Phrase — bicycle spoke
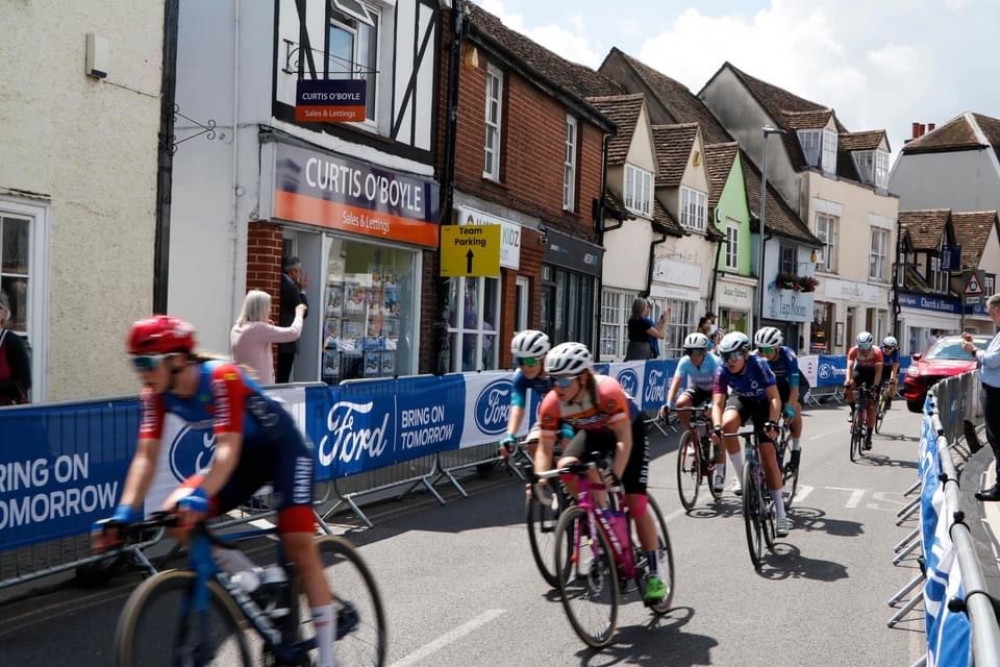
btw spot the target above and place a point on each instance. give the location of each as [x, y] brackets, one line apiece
[588, 581]
[688, 470]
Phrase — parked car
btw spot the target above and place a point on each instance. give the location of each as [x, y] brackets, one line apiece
[944, 359]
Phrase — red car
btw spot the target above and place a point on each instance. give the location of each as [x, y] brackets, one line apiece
[945, 358]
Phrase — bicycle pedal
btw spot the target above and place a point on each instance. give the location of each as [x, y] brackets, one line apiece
[347, 620]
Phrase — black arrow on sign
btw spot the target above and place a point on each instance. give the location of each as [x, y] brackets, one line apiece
[468, 264]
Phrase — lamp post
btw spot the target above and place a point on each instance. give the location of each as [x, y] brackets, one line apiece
[765, 131]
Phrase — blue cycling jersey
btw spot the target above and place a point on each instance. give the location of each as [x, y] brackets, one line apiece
[751, 384]
[785, 367]
[701, 377]
[541, 385]
[888, 359]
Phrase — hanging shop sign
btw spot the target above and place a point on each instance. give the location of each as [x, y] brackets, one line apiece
[341, 193]
[574, 254]
[330, 100]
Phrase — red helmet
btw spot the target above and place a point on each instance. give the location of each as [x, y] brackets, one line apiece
[161, 334]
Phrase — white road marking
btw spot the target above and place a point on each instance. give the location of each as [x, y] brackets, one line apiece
[801, 493]
[854, 500]
[845, 429]
[673, 515]
[449, 637]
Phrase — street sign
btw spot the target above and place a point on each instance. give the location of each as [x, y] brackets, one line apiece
[973, 283]
[951, 258]
[470, 250]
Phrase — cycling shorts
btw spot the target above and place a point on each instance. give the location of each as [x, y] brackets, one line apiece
[698, 396]
[594, 445]
[863, 375]
[758, 411]
[785, 391]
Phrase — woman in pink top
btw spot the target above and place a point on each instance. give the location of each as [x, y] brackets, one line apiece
[254, 334]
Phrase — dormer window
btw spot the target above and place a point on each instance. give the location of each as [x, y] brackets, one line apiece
[819, 147]
[829, 151]
[811, 141]
[873, 167]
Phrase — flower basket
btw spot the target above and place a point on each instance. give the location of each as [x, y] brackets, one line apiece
[788, 281]
[807, 284]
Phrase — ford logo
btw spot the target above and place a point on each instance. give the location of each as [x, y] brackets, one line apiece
[191, 452]
[629, 381]
[493, 407]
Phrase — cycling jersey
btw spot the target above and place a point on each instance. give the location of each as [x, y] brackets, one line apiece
[699, 377]
[541, 385]
[785, 367]
[890, 359]
[751, 384]
[613, 406]
[865, 361]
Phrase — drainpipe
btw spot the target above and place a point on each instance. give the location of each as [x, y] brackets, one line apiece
[715, 276]
[236, 160]
[895, 283]
[165, 159]
[652, 256]
[601, 229]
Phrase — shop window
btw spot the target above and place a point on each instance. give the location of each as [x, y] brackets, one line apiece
[821, 333]
[474, 324]
[681, 320]
[370, 313]
[615, 311]
[567, 305]
[352, 49]
[731, 320]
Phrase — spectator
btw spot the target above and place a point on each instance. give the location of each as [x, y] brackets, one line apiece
[640, 330]
[254, 334]
[989, 377]
[294, 283]
[710, 319]
[15, 369]
[932, 339]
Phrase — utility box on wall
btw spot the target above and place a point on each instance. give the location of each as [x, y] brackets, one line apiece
[97, 56]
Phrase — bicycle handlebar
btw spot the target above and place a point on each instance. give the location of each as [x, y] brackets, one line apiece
[160, 520]
[696, 408]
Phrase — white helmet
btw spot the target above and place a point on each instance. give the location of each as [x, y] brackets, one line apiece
[530, 344]
[568, 359]
[696, 341]
[733, 342]
[865, 340]
[768, 337]
[890, 341]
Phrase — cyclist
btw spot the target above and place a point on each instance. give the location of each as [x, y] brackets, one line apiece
[890, 367]
[864, 366]
[529, 348]
[257, 442]
[606, 422]
[784, 364]
[754, 396]
[697, 371]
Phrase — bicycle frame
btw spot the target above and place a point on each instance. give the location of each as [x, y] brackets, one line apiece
[622, 553]
[701, 429]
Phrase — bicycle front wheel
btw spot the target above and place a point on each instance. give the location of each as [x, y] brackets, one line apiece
[880, 412]
[688, 470]
[157, 627]
[751, 516]
[542, 519]
[666, 558]
[361, 628]
[588, 581]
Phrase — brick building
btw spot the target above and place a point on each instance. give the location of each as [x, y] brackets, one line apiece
[528, 156]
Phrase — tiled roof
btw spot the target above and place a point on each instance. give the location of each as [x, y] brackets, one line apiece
[863, 141]
[924, 227]
[781, 219]
[956, 134]
[682, 105]
[615, 207]
[719, 160]
[624, 111]
[673, 145]
[805, 120]
[991, 128]
[662, 216]
[972, 231]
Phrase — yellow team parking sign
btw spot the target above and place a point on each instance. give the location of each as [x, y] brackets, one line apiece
[470, 250]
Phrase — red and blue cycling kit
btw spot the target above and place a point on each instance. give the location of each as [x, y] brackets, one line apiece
[272, 451]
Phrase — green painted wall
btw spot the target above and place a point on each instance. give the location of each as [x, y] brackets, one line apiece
[733, 207]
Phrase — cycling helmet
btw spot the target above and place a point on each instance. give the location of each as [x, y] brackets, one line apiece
[890, 341]
[530, 344]
[568, 359]
[865, 340]
[768, 337]
[696, 341]
[161, 334]
[733, 342]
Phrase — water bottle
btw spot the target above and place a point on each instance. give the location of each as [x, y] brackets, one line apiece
[273, 582]
[248, 580]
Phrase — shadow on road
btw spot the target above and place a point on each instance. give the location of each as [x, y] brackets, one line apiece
[873, 459]
[810, 519]
[651, 643]
[727, 506]
[787, 562]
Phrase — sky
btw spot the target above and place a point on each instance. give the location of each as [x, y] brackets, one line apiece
[880, 64]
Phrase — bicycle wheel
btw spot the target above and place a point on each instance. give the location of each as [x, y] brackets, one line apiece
[880, 412]
[154, 629]
[766, 505]
[590, 594]
[688, 470]
[751, 515]
[855, 435]
[790, 481]
[666, 557]
[361, 626]
[542, 519]
[716, 494]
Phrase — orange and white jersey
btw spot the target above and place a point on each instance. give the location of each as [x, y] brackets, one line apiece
[613, 406]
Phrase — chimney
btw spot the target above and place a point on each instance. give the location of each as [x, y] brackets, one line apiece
[931, 126]
[914, 130]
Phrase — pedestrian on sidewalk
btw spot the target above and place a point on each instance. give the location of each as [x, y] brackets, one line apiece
[254, 334]
[641, 331]
[15, 369]
[989, 376]
[294, 283]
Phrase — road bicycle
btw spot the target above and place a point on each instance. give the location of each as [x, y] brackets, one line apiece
[789, 478]
[758, 506]
[859, 421]
[199, 615]
[598, 556]
[696, 457]
[881, 405]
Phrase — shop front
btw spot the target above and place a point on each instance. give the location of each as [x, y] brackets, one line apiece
[360, 229]
[789, 311]
[923, 318]
[734, 300]
[571, 270]
[845, 308]
[676, 291]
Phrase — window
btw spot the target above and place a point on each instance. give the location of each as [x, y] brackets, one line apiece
[639, 191]
[938, 278]
[829, 151]
[821, 334]
[732, 247]
[877, 257]
[826, 231]
[569, 165]
[901, 273]
[568, 305]
[352, 49]
[680, 322]
[789, 259]
[810, 140]
[864, 161]
[881, 169]
[494, 108]
[523, 287]
[474, 323]
[15, 233]
[615, 311]
[694, 209]
[989, 285]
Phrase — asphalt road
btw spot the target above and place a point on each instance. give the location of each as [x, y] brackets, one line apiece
[461, 589]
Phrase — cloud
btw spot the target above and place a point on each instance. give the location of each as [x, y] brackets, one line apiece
[894, 59]
[569, 41]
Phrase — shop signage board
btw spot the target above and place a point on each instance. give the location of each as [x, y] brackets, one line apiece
[510, 234]
[788, 305]
[470, 250]
[734, 295]
[923, 302]
[851, 291]
[330, 100]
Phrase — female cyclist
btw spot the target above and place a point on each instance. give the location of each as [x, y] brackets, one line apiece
[529, 348]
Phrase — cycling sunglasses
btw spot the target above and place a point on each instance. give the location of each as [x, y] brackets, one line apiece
[733, 356]
[766, 350]
[528, 362]
[563, 382]
[147, 363]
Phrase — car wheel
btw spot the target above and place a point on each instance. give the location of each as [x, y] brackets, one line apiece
[915, 405]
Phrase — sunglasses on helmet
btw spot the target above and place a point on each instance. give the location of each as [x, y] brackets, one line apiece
[146, 363]
[564, 381]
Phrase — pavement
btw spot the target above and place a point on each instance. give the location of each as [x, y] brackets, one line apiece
[983, 518]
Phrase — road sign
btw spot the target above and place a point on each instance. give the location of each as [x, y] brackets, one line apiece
[951, 258]
[470, 250]
[973, 283]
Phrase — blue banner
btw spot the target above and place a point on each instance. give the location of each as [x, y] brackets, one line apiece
[658, 374]
[831, 371]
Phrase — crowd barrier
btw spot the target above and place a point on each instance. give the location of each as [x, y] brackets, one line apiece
[62, 466]
[959, 616]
